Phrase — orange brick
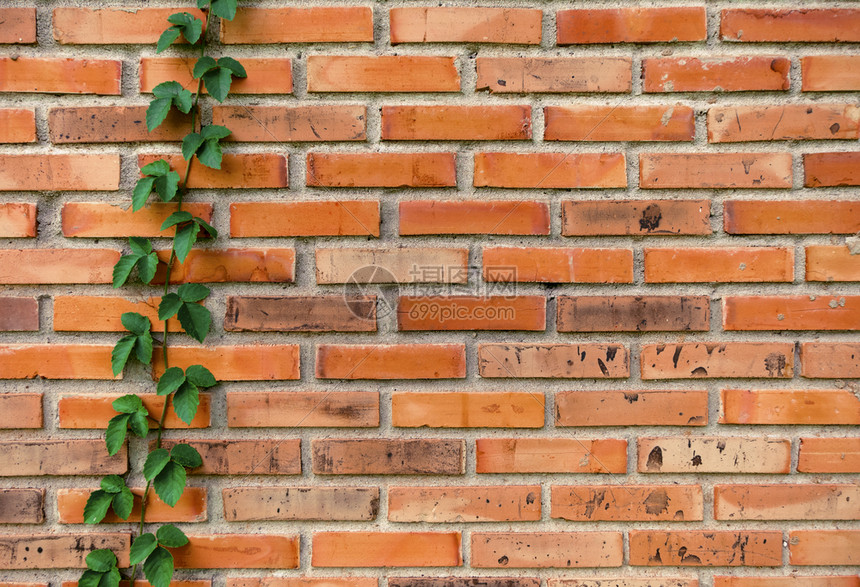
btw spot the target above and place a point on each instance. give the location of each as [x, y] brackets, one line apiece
[631, 25]
[831, 169]
[55, 361]
[636, 217]
[245, 457]
[632, 313]
[812, 25]
[301, 314]
[714, 454]
[830, 73]
[550, 455]
[463, 581]
[113, 26]
[413, 265]
[20, 410]
[786, 502]
[17, 220]
[719, 265]
[631, 408]
[791, 313]
[78, 172]
[297, 409]
[495, 503]
[191, 507]
[335, 218]
[733, 124]
[470, 409]
[474, 217]
[619, 123]
[59, 551]
[714, 170]
[17, 125]
[462, 24]
[286, 124]
[100, 219]
[547, 549]
[557, 265]
[625, 581]
[19, 314]
[550, 170]
[238, 171]
[792, 581]
[393, 361]
[554, 75]
[830, 360]
[19, 25]
[386, 549]
[579, 361]
[716, 360]
[387, 73]
[251, 504]
[697, 548]
[238, 551]
[456, 123]
[715, 74]
[265, 76]
[381, 170]
[317, 24]
[791, 217]
[22, 506]
[19, 458]
[237, 363]
[267, 265]
[471, 313]
[832, 263]
[113, 124]
[388, 456]
[824, 547]
[94, 412]
[306, 582]
[627, 503]
[779, 406]
[60, 75]
[829, 455]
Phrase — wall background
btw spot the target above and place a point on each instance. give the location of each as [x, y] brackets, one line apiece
[667, 394]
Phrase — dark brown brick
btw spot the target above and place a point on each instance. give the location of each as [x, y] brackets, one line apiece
[22, 506]
[383, 456]
[633, 313]
[19, 314]
[301, 314]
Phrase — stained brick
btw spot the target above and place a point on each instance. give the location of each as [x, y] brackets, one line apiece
[632, 313]
[786, 502]
[714, 360]
[381, 456]
[297, 409]
[697, 548]
[554, 75]
[580, 361]
[301, 314]
[19, 458]
[631, 408]
[734, 124]
[113, 124]
[551, 455]
[492, 503]
[714, 454]
[22, 506]
[632, 25]
[627, 503]
[635, 217]
[715, 74]
[246, 457]
[59, 551]
[714, 170]
[470, 409]
[250, 504]
[19, 314]
[547, 549]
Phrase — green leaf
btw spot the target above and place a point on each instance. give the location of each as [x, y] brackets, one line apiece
[111, 578]
[203, 65]
[142, 547]
[186, 455]
[206, 227]
[157, 111]
[90, 579]
[143, 348]
[141, 192]
[171, 536]
[122, 269]
[121, 352]
[192, 27]
[147, 266]
[167, 37]
[139, 246]
[155, 462]
[116, 431]
[160, 166]
[193, 292]
[167, 186]
[123, 502]
[185, 402]
[196, 320]
[176, 218]
[112, 484]
[234, 66]
[217, 82]
[170, 483]
[190, 144]
[214, 131]
[185, 238]
[136, 323]
[200, 376]
[127, 404]
[183, 101]
[101, 560]
[210, 154]
[225, 9]
[139, 423]
[169, 306]
[97, 507]
[170, 381]
[158, 568]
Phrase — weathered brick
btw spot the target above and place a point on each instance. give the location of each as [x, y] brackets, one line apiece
[456, 123]
[495, 503]
[547, 549]
[282, 124]
[238, 171]
[829, 455]
[104, 314]
[551, 455]
[830, 360]
[694, 360]
[55, 361]
[719, 265]
[780, 406]
[113, 124]
[387, 456]
[94, 412]
[734, 124]
[790, 581]
[791, 313]
[463, 582]
[20, 458]
[305, 582]
[632, 313]
[627, 503]
[578, 361]
[636, 217]
[714, 454]
[715, 74]
[296, 409]
[104, 219]
[557, 265]
[238, 551]
[191, 507]
[393, 361]
[554, 75]
[787, 502]
[832, 263]
[824, 547]
[469, 409]
[471, 313]
[22, 506]
[60, 75]
[632, 25]
[465, 24]
[111, 26]
[251, 504]
[550, 170]
[392, 265]
[831, 169]
[386, 549]
[59, 551]
[631, 408]
[619, 123]
[56, 172]
[17, 125]
[625, 581]
[245, 457]
[266, 265]
[335, 218]
[19, 25]
[696, 548]
[17, 220]
[714, 170]
[418, 217]
[20, 410]
[808, 25]
[387, 73]
[381, 170]
[19, 314]
[265, 76]
[301, 314]
[236, 363]
[314, 24]
[830, 73]
[791, 217]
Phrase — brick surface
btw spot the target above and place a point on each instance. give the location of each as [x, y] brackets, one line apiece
[806, 26]
[20, 410]
[237, 363]
[830, 360]
[631, 25]
[353, 73]
[59, 457]
[191, 507]
[244, 504]
[791, 313]
[554, 455]
[452, 123]
[99, 219]
[467, 409]
[265, 75]
[315, 123]
[777, 406]
[631, 408]
[387, 549]
[715, 74]
[791, 217]
[246, 457]
[831, 263]
[830, 73]
[557, 265]
[735, 124]
[17, 220]
[700, 360]
[786, 502]
[107, 26]
[450, 24]
[59, 551]
[19, 314]
[60, 76]
[547, 549]
[549, 170]
[17, 125]
[554, 75]
[829, 455]
[419, 217]
[464, 504]
[113, 124]
[19, 25]
[391, 170]
[22, 506]
[705, 549]
[238, 551]
[318, 24]
[471, 313]
[388, 457]
[86, 172]
[714, 170]
[335, 218]
[831, 169]
[582, 361]
[722, 454]
[719, 265]
[619, 123]
[632, 313]
[94, 412]
[823, 547]
[311, 409]
[635, 217]
[627, 503]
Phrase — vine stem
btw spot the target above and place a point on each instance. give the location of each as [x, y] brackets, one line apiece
[184, 187]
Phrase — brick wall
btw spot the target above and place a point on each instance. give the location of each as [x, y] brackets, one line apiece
[623, 349]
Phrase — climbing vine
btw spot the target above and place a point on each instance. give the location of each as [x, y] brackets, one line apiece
[164, 470]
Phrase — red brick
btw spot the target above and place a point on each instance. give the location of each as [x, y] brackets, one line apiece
[632, 313]
[824, 547]
[17, 125]
[305, 582]
[285, 124]
[238, 170]
[830, 360]
[245, 457]
[812, 25]
[412, 265]
[550, 170]
[471, 313]
[474, 217]
[238, 551]
[495, 503]
[551, 455]
[55, 361]
[19, 314]
[719, 265]
[619, 123]
[467, 409]
[388, 456]
[387, 73]
[578, 361]
[714, 170]
[317, 24]
[251, 504]
[832, 263]
[791, 217]
[113, 26]
[456, 123]
[733, 124]
[625, 581]
[301, 314]
[557, 265]
[265, 76]
[631, 408]
[60, 75]
[54, 172]
[237, 363]
[191, 507]
[386, 549]
[100, 219]
[461, 582]
[636, 217]
[831, 169]
[715, 74]
[547, 549]
[22, 506]
[791, 313]
[697, 548]
[335, 218]
[627, 503]
[780, 406]
[632, 25]
[786, 502]
[829, 455]
[59, 551]
[267, 265]
[381, 170]
[392, 361]
[462, 24]
[714, 454]
[695, 360]
[830, 73]
[94, 412]
[297, 409]
[19, 25]
[19, 458]
[791, 581]
[20, 410]
[113, 124]
[554, 75]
